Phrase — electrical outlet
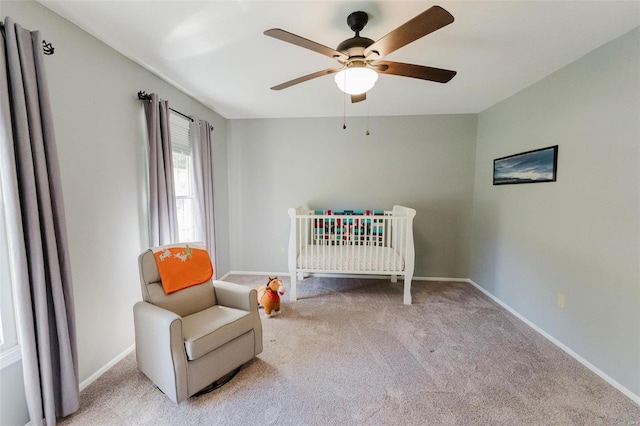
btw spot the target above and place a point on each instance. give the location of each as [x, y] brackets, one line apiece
[281, 250]
[560, 300]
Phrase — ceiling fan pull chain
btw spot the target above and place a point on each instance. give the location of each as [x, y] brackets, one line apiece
[344, 106]
[368, 115]
[344, 112]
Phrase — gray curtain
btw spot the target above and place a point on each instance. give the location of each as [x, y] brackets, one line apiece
[36, 230]
[200, 134]
[163, 218]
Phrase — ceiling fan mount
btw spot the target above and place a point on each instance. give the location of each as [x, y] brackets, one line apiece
[364, 53]
[357, 21]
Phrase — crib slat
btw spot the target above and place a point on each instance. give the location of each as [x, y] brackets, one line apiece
[386, 261]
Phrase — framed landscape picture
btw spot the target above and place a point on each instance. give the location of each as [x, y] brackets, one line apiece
[535, 166]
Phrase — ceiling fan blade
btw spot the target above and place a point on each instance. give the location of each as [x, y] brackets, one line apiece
[427, 22]
[358, 98]
[303, 42]
[415, 71]
[305, 78]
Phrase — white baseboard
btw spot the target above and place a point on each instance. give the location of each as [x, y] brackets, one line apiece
[318, 274]
[224, 277]
[10, 357]
[270, 274]
[441, 279]
[106, 367]
[635, 398]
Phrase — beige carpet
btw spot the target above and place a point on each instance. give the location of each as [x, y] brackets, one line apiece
[349, 352]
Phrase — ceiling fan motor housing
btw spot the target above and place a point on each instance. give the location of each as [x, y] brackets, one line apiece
[354, 46]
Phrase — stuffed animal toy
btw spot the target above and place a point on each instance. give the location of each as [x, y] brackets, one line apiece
[269, 296]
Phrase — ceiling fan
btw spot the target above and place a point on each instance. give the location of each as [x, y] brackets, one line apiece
[360, 57]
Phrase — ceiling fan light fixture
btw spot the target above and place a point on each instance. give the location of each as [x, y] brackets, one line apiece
[356, 80]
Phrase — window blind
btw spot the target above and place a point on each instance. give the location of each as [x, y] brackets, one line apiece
[180, 134]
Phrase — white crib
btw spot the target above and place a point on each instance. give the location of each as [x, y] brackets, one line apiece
[370, 242]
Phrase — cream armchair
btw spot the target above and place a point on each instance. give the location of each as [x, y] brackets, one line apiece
[189, 339]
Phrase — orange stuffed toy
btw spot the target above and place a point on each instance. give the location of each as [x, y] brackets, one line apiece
[269, 296]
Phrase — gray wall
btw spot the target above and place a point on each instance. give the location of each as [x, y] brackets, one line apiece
[579, 236]
[424, 162]
[102, 148]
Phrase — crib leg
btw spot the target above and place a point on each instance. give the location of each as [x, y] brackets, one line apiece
[394, 278]
[407, 289]
[292, 291]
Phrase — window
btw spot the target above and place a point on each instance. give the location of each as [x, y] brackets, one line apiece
[9, 349]
[188, 230]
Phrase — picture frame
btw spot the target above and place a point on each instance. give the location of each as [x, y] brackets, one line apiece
[536, 166]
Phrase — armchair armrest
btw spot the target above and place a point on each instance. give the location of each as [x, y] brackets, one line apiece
[236, 296]
[244, 298]
[160, 348]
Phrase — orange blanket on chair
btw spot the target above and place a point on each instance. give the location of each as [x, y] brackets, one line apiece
[182, 265]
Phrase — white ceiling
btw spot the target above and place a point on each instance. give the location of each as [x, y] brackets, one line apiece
[216, 51]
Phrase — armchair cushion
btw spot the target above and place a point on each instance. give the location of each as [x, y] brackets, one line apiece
[211, 328]
[184, 302]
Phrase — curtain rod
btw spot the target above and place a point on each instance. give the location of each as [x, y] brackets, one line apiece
[47, 48]
[144, 96]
